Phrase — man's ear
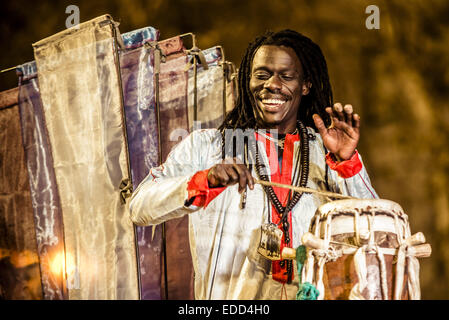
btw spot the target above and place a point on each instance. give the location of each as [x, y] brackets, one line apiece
[306, 87]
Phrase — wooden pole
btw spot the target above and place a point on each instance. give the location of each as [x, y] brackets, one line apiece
[303, 189]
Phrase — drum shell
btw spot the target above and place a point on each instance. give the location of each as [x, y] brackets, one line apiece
[339, 276]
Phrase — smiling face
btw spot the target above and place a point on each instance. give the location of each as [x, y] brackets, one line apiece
[277, 86]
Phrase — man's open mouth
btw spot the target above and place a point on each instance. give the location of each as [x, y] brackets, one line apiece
[272, 104]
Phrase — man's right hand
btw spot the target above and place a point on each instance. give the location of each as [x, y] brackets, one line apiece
[229, 172]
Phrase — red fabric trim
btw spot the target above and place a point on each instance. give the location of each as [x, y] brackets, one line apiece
[345, 169]
[198, 188]
[281, 175]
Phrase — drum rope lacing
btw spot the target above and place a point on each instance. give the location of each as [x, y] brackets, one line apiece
[330, 253]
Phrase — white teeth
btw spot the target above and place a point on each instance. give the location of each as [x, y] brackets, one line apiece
[273, 101]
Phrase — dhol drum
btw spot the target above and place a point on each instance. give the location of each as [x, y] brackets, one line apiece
[363, 249]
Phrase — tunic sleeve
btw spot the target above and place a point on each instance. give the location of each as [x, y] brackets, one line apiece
[163, 194]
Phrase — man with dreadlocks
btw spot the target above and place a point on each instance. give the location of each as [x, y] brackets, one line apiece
[297, 136]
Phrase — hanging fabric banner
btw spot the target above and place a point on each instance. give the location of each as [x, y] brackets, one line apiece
[174, 126]
[137, 74]
[19, 262]
[81, 97]
[139, 90]
[172, 94]
[42, 182]
[231, 76]
[210, 89]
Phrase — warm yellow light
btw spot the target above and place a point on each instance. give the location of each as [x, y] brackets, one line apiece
[57, 264]
[61, 263]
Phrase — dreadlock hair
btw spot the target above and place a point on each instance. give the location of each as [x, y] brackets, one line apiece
[315, 71]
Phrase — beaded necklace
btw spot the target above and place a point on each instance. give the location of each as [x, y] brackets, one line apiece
[292, 199]
[302, 165]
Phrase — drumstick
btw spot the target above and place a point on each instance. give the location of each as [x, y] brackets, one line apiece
[302, 189]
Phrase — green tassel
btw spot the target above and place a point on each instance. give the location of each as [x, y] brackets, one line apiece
[301, 254]
[306, 291]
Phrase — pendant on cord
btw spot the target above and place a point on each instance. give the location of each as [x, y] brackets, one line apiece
[270, 243]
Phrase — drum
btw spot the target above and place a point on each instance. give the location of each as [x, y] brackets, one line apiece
[363, 249]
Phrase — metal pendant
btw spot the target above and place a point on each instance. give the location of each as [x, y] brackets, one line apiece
[270, 241]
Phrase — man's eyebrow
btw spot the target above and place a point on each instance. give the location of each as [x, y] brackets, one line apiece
[265, 68]
[262, 68]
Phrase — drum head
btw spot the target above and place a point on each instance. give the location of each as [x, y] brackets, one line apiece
[361, 205]
[347, 221]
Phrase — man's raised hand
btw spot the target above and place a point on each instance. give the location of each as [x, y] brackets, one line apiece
[342, 136]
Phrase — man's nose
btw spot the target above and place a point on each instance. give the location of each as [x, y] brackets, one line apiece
[273, 83]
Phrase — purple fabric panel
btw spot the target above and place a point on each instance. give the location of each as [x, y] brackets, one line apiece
[141, 127]
[44, 191]
[140, 113]
[173, 100]
[141, 122]
[174, 116]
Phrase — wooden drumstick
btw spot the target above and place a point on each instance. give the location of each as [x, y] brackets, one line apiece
[302, 189]
[288, 253]
[420, 251]
[312, 241]
[417, 238]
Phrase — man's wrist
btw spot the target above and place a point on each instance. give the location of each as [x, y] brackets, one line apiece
[200, 193]
[338, 159]
[346, 168]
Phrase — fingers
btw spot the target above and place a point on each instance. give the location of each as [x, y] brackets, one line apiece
[244, 177]
[356, 121]
[319, 123]
[217, 176]
[348, 114]
[338, 111]
[343, 115]
[333, 115]
[230, 172]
